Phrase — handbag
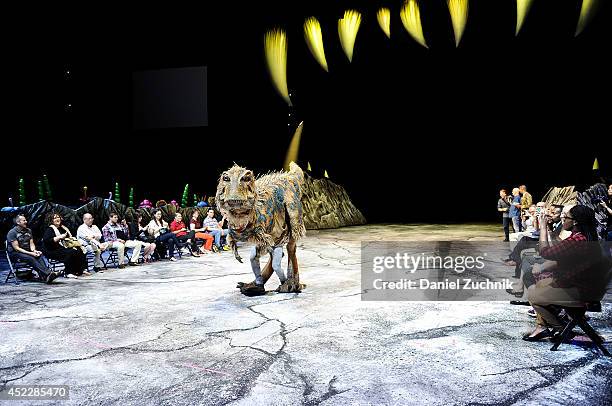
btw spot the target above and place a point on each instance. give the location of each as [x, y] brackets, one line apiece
[73, 242]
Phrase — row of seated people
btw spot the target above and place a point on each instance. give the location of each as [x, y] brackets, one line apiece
[156, 238]
[560, 261]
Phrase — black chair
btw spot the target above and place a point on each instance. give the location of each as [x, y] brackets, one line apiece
[114, 257]
[56, 266]
[13, 267]
[575, 316]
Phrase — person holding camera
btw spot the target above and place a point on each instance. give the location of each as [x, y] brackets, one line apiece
[139, 233]
[60, 245]
[158, 228]
[117, 236]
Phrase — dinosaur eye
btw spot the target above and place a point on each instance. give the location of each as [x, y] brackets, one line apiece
[246, 178]
[226, 178]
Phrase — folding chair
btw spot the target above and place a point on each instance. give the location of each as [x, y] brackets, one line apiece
[12, 267]
[55, 266]
[576, 317]
[112, 256]
[182, 245]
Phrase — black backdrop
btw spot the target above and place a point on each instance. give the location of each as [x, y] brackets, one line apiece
[413, 134]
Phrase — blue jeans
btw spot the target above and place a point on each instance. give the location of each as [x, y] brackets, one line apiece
[35, 262]
[168, 239]
[516, 224]
[217, 234]
[506, 223]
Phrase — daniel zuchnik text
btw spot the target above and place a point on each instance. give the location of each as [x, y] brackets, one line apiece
[456, 284]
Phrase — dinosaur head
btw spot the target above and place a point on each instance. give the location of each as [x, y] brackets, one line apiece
[236, 195]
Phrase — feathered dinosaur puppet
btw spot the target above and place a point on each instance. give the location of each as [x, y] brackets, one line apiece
[268, 212]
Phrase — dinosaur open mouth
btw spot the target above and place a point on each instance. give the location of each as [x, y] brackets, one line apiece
[239, 211]
[236, 203]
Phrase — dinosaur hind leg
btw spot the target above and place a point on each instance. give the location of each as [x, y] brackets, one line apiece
[292, 284]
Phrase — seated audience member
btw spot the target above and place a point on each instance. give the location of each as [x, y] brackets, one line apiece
[183, 234]
[20, 247]
[515, 210]
[90, 237]
[503, 206]
[570, 276]
[59, 245]
[196, 226]
[528, 239]
[139, 233]
[158, 228]
[214, 227]
[117, 236]
[554, 223]
[606, 206]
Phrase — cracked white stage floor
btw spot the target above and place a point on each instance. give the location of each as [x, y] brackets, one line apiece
[180, 333]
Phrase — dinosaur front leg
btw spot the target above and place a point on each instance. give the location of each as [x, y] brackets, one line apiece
[292, 284]
[232, 243]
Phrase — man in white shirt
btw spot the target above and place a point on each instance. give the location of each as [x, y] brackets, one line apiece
[214, 227]
[90, 235]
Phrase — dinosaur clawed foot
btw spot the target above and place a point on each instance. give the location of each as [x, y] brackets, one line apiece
[251, 289]
[291, 285]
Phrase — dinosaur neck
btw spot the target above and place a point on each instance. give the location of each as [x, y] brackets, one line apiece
[241, 223]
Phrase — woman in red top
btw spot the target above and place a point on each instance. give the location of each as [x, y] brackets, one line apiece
[183, 234]
[196, 226]
[570, 275]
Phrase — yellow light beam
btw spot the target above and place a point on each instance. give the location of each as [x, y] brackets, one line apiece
[294, 147]
[522, 8]
[347, 30]
[314, 40]
[596, 165]
[459, 14]
[325, 174]
[309, 168]
[586, 13]
[275, 45]
[384, 20]
[411, 18]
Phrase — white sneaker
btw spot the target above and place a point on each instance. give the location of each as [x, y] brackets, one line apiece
[173, 259]
[71, 276]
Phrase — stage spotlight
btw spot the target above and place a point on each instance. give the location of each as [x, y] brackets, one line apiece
[384, 20]
[522, 8]
[275, 45]
[314, 40]
[294, 147]
[459, 14]
[347, 30]
[586, 14]
[411, 18]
